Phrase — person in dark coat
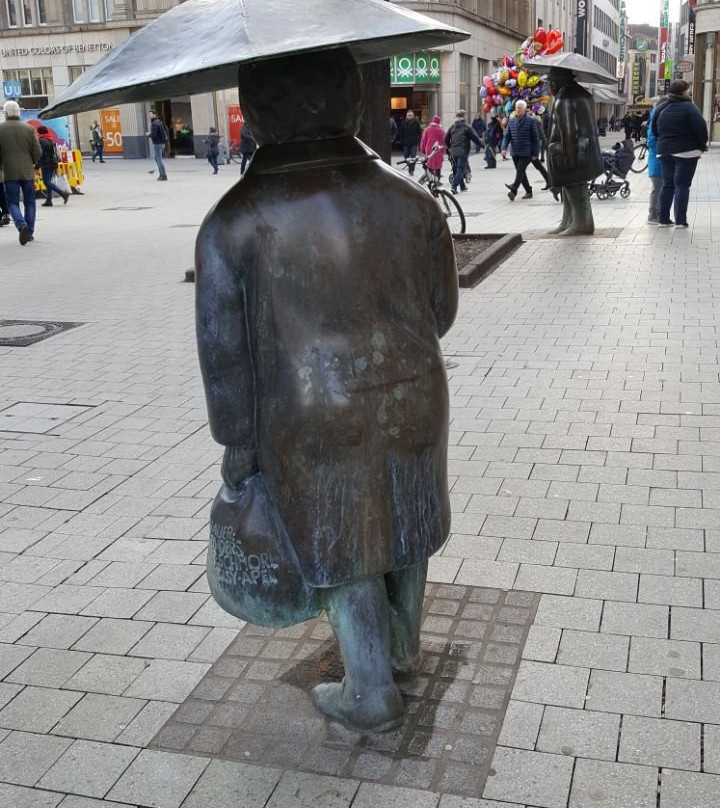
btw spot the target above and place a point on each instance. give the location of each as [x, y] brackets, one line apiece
[319, 343]
[458, 139]
[480, 127]
[159, 136]
[521, 134]
[247, 146]
[409, 134]
[48, 166]
[682, 137]
[493, 138]
[392, 130]
[212, 141]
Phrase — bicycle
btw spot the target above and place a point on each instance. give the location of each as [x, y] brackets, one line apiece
[641, 157]
[448, 204]
[235, 153]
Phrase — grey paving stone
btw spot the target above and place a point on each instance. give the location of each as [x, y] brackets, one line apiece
[297, 790]
[89, 768]
[167, 680]
[542, 643]
[711, 748]
[226, 784]
[613, 785]
[585, 556]
[695, 624]
[146, 725]
[20, 797]
[58, 631]
[67, 599]
[48, 667]
[671, 591]
[665, 657]
[558, 685]
[113, 636]
[98, 717]
[37, 709]
[680, 788]
[521, 725]
[565, 612]
[632, 693]
[72, 801]
[622, 586]
[554, 580]
[689, 700]
[25, 757]
[158, 779]
[118, 603]
[592, 650]
[635, 619]
[370, 795]
[660, 742]
[107, 674]
[11, 656]
[579, 733]
[531, 778]
[170, 641]
[172, 607]
[215, 642]
[448, 801]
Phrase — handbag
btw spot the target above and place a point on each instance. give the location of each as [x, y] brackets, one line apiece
[62, 183]
[252, 568]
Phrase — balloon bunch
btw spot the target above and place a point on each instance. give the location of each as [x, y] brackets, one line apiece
[512, 81]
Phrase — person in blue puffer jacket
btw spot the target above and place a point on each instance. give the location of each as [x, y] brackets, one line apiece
[522, 135]
[654, 172]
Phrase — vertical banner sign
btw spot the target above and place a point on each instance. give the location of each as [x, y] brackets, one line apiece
[621, 43]
[691, 29]
[664, 62]
[235, 122]
[636, 93]
[581, 30]
[112, 130]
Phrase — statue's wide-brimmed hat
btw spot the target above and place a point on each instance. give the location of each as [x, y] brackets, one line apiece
[582, 68]
[197, 46]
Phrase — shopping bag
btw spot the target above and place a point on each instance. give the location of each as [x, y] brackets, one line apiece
[252, 567]
[62, 183]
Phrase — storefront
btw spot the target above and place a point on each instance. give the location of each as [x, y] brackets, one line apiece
[707, 77]
[415, 84]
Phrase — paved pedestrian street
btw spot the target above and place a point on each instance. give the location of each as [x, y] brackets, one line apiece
[572, 633]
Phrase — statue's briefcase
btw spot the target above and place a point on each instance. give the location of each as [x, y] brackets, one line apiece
[252, 568]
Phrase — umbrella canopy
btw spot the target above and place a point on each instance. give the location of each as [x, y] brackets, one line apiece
[604, 94]
[197, 46]
[584, 69]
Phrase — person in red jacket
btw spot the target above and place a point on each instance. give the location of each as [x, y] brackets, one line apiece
[433, 136]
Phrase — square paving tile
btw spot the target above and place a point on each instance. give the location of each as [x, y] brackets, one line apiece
[254, 705]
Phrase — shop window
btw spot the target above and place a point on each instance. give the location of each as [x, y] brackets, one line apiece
[25, 13]
[41, 16]
[12, 13]
[90, 10]
[464, 84]
[109, 9]
[36, 85]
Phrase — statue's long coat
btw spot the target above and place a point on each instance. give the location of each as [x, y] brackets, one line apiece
[324, 282]
[573, 151]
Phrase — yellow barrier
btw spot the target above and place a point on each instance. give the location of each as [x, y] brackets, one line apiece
[73, 172]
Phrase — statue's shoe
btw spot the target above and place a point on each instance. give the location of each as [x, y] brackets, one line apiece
[573, 231]
[380, 711]
[411, 664]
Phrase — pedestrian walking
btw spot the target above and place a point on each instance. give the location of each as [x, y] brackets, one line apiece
[247, 146]
[212, 141]
[458, 139]
[493, 138]
[521, 133]
[19, 153]
[49, 163]
[480, 127]
[433, 136]
[4, 209]
[655, 174]
[97, 142]
[159, 136]
[409, 134]
[682, 137]
[392, 130]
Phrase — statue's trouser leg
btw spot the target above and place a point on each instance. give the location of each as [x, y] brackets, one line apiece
[567, 214]
[405, 590]
[367, 698]
[581, 210]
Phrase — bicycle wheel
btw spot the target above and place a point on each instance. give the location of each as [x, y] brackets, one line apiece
[452, 210]
[641, 159]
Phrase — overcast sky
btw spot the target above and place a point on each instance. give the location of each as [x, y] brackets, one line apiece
[649, 11]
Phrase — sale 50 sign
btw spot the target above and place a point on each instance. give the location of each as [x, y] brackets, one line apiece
[112, 130]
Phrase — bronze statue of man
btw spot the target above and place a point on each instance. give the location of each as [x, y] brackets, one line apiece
[574, 156]
[325, 281]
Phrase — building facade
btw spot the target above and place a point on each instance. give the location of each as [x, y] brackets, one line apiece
[706, 53]
[46, 44]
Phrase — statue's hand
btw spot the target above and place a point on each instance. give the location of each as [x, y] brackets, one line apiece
[238, 464]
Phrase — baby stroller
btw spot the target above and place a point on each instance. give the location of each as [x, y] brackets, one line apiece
[617, 164]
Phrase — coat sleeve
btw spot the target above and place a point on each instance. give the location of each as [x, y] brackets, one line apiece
[36, 149]
[699, 128]
[444, 292]
[507, 137]
[222, 338]
[534, 140]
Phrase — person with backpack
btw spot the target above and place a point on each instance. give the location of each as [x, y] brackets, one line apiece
[458, 139]
[159, 136]
[212, 141]
[49, 162]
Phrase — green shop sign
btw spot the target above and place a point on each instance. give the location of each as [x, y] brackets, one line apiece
[415, 68]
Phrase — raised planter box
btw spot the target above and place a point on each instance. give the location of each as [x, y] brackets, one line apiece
[478, 255]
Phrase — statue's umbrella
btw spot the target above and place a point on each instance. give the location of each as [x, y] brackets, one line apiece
[582, 68]
[197, 46]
